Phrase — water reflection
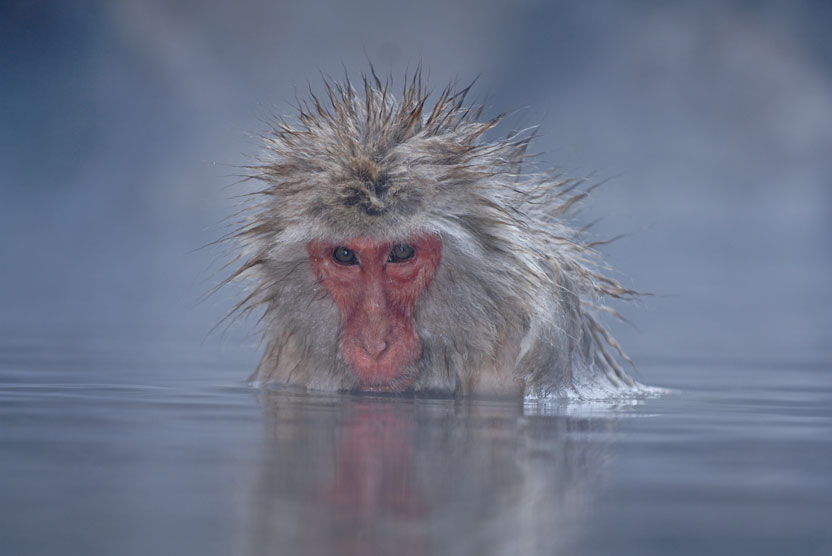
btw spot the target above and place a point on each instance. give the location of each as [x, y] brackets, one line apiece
[359, 475]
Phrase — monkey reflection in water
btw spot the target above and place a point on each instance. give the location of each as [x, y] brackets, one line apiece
[363, 476]
[395, 249]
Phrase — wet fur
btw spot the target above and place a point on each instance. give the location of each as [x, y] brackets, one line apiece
[511, 308]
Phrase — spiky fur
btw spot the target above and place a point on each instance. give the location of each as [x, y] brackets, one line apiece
[515, 294]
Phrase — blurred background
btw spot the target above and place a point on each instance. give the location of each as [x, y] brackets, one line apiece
[121, 123]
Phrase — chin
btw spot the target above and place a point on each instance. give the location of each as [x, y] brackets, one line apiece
[385, 381]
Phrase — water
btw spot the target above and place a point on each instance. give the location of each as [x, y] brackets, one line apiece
[122, 127]
[109, 449]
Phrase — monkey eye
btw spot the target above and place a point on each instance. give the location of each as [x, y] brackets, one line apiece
[400, 253]
[344, 256]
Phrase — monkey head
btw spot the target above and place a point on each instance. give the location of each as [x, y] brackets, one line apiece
[395, 249]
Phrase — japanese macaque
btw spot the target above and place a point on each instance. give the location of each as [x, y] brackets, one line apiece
[396, 249]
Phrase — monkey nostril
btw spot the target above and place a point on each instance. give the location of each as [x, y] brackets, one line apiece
[375, 348]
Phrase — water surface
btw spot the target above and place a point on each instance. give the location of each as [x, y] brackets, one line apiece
[109, 450]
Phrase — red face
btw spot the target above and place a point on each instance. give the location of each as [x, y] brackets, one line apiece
[375, 286]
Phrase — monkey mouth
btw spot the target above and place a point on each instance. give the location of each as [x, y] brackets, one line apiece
[400, 384]
[382, 378]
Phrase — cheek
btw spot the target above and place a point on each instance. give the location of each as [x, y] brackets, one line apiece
[407, 282]
[346, 296]
[341, 283]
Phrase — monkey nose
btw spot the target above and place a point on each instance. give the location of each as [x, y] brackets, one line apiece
[374, 347]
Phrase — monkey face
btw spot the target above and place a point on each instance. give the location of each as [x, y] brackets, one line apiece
[376, 285]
